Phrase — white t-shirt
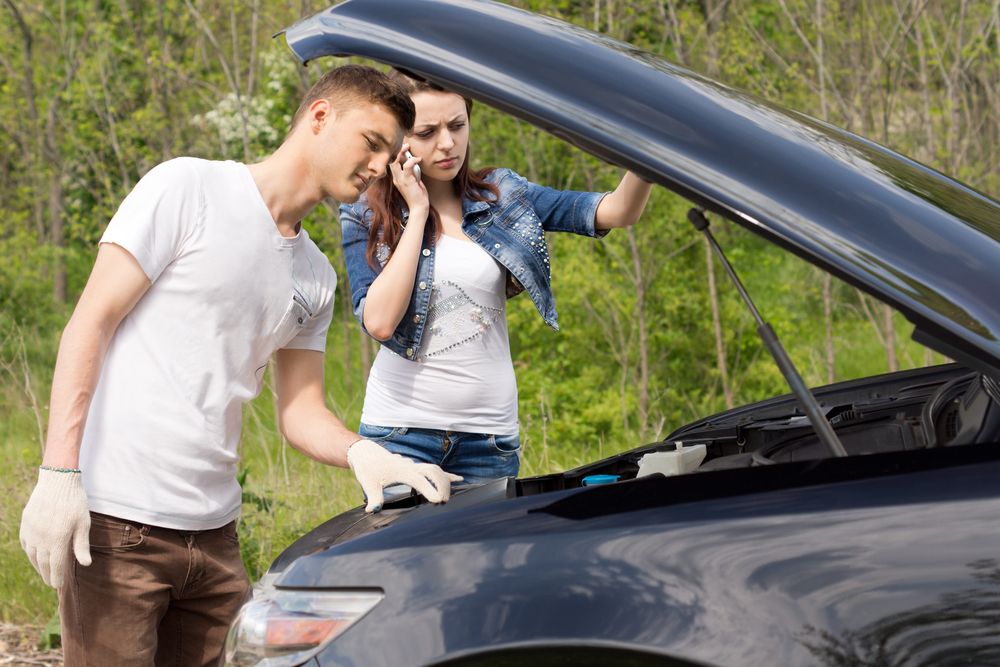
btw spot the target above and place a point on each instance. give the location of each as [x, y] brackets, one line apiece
[463, 378]
[160, 442]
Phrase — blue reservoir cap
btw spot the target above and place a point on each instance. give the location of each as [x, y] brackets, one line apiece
[600, 479]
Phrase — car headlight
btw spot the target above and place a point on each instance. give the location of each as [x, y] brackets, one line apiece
[284, 628]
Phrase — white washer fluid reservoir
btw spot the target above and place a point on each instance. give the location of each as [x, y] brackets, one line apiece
[677, 462]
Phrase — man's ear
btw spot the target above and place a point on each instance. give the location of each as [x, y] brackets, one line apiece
[320, 112]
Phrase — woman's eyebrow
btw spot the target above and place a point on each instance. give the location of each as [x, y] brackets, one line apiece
[457, 118]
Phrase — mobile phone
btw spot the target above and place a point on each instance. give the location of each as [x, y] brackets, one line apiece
[416, 167]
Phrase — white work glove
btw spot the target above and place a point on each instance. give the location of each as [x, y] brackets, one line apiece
[55, 515]
[377, 468]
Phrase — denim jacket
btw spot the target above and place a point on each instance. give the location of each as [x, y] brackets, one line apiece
[510, 229]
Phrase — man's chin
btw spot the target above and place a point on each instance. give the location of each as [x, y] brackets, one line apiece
[349, 196]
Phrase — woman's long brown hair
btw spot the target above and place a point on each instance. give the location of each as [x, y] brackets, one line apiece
[385, 201]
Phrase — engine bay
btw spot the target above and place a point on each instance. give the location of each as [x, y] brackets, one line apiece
[942, 406]
[921, 409]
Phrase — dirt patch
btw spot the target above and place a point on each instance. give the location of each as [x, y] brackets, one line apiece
[19, 647]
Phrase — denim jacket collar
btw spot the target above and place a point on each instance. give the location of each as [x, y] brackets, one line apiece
[469, 207]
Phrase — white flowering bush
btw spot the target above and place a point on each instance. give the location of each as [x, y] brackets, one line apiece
[266, 115]
[228, 119]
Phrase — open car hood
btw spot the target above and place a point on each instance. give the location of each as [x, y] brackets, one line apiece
[902, 232]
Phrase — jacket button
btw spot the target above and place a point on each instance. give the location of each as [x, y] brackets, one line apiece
[416, 318]
[496, 245]
[422, 285]
[426, 252]
[409, 351]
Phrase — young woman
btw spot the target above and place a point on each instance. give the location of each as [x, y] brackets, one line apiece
[431, 261]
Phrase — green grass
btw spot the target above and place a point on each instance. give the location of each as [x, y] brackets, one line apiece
[26, 360]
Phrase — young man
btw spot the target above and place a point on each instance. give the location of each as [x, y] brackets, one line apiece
[202, 274]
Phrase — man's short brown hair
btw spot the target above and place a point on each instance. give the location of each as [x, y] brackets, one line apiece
[350, 86]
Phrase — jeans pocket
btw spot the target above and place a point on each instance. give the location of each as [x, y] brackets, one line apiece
[380, 435]
[109, 534]
[505, 445]
[229, 532]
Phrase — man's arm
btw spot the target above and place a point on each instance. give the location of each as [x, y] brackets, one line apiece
[57, 513]
[303, 417]
[312, 429]
[114, 287]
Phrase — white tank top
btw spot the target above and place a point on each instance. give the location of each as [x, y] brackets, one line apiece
[462, 378]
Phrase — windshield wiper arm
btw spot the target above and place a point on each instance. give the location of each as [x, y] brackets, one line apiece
[806, 400]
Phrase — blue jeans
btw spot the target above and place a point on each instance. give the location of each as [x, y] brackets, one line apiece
[478, 457]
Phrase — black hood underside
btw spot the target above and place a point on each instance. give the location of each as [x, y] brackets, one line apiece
[902, 232]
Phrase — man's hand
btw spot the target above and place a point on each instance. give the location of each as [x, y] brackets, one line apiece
[56, 514]
[312, 429]
[377, 468]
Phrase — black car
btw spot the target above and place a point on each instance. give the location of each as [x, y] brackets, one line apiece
[858, 527]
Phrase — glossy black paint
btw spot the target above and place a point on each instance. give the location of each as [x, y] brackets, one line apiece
[912, 237]
[822, 562]
[866, 554]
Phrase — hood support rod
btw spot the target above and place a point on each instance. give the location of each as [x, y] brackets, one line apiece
[806, 400]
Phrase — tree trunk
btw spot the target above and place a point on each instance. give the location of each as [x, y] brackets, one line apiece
[954, 77]
[825, 112]
[889, 328]
[930, 152]
[821, 61]
[712, 22]
[529, 153]
[680, 52]
[996, 85]
[640, 316]
[619, 345]
[828, 318]
[720, 348]
[623, 394]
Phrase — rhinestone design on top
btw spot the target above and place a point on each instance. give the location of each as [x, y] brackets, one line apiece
[455, 320]
[533, 234]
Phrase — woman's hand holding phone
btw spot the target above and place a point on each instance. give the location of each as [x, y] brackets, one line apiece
[389, 295]
[413, 190]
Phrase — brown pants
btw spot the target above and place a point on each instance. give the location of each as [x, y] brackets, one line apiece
[152, 596]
